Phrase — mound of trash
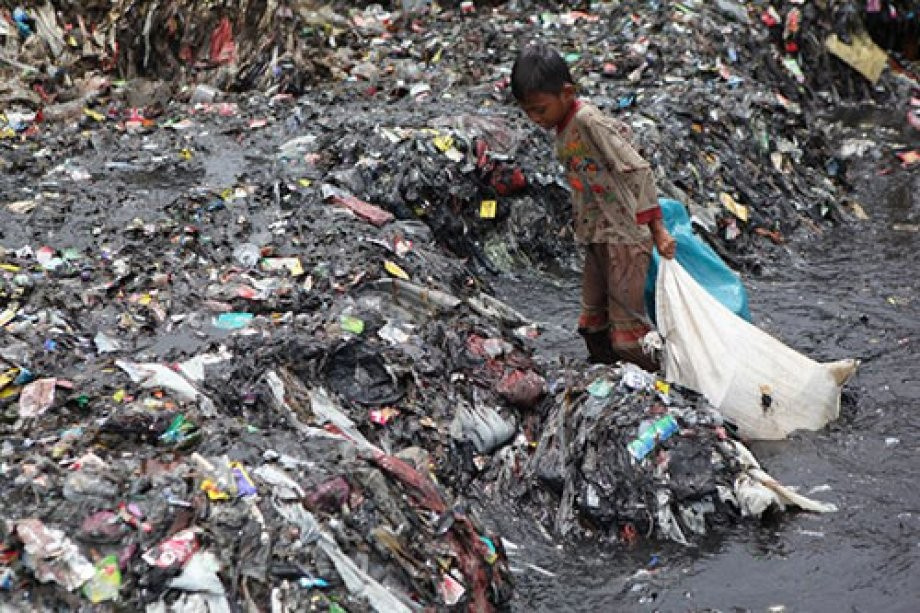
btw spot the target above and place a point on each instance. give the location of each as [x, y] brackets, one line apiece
[623, 456]
[730, 101]
[248, 486]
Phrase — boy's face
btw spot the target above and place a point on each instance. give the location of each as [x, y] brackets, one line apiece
[549, 110]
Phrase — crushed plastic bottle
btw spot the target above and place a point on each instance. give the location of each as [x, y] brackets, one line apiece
[659, 431]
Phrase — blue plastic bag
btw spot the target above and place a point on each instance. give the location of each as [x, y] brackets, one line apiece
[698, 259]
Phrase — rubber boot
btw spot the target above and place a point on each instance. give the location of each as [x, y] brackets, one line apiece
[599, 348]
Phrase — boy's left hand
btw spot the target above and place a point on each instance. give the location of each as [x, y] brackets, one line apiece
[666, 244]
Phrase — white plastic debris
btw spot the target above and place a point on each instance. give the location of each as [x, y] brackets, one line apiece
[151, 375]
[756, 491]
[51, 555]
[105, 343]
[200, 575]
[358, 582]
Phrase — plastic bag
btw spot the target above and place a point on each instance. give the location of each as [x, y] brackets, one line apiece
[763, 386]
[106, 582]
[483, 426]
[52, 556]
[200, 575]
[36, 398]
[700, 261]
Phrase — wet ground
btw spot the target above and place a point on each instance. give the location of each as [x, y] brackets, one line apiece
[849, 293]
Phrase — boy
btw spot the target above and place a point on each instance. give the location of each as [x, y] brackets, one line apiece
[614, 201]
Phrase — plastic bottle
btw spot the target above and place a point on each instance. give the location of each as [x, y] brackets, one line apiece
[659, 431]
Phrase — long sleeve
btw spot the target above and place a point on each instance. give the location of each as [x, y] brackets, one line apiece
[612, 141]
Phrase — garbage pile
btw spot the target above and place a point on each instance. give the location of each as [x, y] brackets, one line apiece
[461, 176]
[238, 45]
[164, 384]
[225, 481]
[623, 457]
[737, 130]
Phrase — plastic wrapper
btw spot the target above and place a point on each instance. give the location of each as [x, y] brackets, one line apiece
[174, 551]
[52, 556]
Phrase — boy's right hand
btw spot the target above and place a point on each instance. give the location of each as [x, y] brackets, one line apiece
[666, 245]
[664, 242]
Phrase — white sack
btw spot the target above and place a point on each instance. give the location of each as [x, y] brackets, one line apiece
[734, 364]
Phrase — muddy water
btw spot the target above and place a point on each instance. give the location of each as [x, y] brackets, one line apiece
[849, 293]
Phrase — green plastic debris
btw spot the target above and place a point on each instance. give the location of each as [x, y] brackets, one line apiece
[180, 431]
[351, 324]
[600, 388]
[105, 583]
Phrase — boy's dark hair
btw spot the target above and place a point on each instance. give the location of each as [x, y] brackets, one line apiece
[539, 69]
